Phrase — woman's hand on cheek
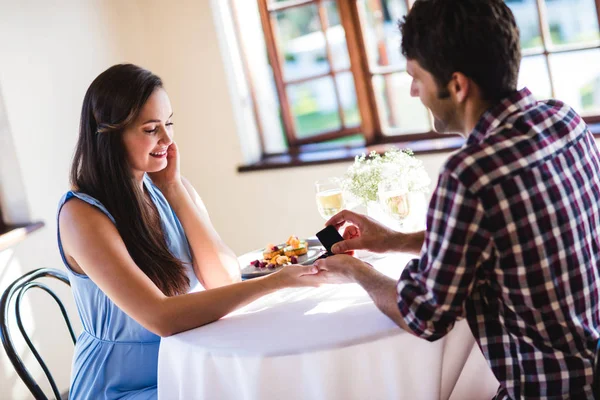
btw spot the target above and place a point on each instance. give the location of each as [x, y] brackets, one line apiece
[169, 176]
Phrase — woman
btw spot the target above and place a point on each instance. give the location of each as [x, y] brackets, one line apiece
[137, 241]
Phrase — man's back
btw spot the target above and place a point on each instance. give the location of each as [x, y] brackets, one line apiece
[534, 169]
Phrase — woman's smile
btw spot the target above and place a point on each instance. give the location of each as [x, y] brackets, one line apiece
[159, 154]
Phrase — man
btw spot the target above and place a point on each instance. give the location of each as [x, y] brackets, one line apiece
[513, 239]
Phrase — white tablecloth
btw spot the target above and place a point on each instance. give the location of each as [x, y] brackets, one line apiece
[320, 343]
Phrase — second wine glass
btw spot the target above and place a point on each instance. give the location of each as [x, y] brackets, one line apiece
[330, 199]
[393, 198]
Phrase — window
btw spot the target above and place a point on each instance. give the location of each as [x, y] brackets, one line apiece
[331, 72]
[560, 41]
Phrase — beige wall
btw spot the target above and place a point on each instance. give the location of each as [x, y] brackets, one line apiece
[49, 54]
[48, 57]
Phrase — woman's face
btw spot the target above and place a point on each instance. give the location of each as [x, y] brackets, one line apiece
[146, 140]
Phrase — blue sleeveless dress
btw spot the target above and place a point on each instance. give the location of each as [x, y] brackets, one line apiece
[115, 357]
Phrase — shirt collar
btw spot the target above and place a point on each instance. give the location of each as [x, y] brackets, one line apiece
[491, 119]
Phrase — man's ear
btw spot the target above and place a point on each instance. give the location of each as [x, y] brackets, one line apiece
[459, 87]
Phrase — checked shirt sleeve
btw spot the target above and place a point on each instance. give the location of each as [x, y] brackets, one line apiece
[433, 289]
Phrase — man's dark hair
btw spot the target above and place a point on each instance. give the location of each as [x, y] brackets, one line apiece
[479, 38]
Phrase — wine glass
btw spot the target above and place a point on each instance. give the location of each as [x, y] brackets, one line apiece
[330, 199]
[393, 198]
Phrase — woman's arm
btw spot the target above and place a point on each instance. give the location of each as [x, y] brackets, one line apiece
[215, 264]
[92, 242]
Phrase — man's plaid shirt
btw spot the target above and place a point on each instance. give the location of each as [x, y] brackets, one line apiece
[513, 245]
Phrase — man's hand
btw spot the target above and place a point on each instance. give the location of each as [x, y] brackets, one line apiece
[365, 233]
[341, 268]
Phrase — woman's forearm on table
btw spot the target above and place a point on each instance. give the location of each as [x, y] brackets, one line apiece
[181, 313]
[216, 265]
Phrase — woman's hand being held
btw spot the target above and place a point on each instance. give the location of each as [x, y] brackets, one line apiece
[294, 276]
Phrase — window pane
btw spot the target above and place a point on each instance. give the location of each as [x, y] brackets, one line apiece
[260, 76]
[572, 21]
[577, 79]
[302, 41]
[399, 112]
[314, 106]
[347, 91]
[380, 30]
[526, 14]
[272, 124]
[346, 141]
[534, 74]
[336, 37]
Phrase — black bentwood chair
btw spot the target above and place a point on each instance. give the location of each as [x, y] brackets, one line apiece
[18, 289]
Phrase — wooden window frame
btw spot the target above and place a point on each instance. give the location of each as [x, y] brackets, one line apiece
[267, 12]
[363, 74]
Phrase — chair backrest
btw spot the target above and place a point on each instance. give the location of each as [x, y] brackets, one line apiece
[17, 290]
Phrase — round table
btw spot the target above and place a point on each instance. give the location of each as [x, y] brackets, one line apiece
[320, 343]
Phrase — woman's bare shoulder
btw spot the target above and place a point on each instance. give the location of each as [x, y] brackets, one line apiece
[76, 210]
[78, 223]
[83, 224]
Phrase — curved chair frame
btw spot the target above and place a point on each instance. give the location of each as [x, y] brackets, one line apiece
[18, 288]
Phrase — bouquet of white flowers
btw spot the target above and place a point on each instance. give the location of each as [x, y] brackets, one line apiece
[363, 177]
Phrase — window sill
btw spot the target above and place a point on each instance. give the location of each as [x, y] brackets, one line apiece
[320, 154]
[13, 234]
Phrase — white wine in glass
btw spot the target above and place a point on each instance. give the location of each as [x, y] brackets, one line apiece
[393, 198]
[330, 199]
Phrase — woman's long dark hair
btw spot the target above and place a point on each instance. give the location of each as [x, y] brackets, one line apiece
[101, 169]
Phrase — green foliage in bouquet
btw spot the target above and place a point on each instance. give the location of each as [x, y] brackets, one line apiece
[363, 176]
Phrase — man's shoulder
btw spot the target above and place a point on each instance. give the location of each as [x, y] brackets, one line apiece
[522, 140]
[464, 165]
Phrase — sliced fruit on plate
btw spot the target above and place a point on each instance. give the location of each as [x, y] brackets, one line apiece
[282, 260]
[293, 241]
[271, 251]
[298, 249]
